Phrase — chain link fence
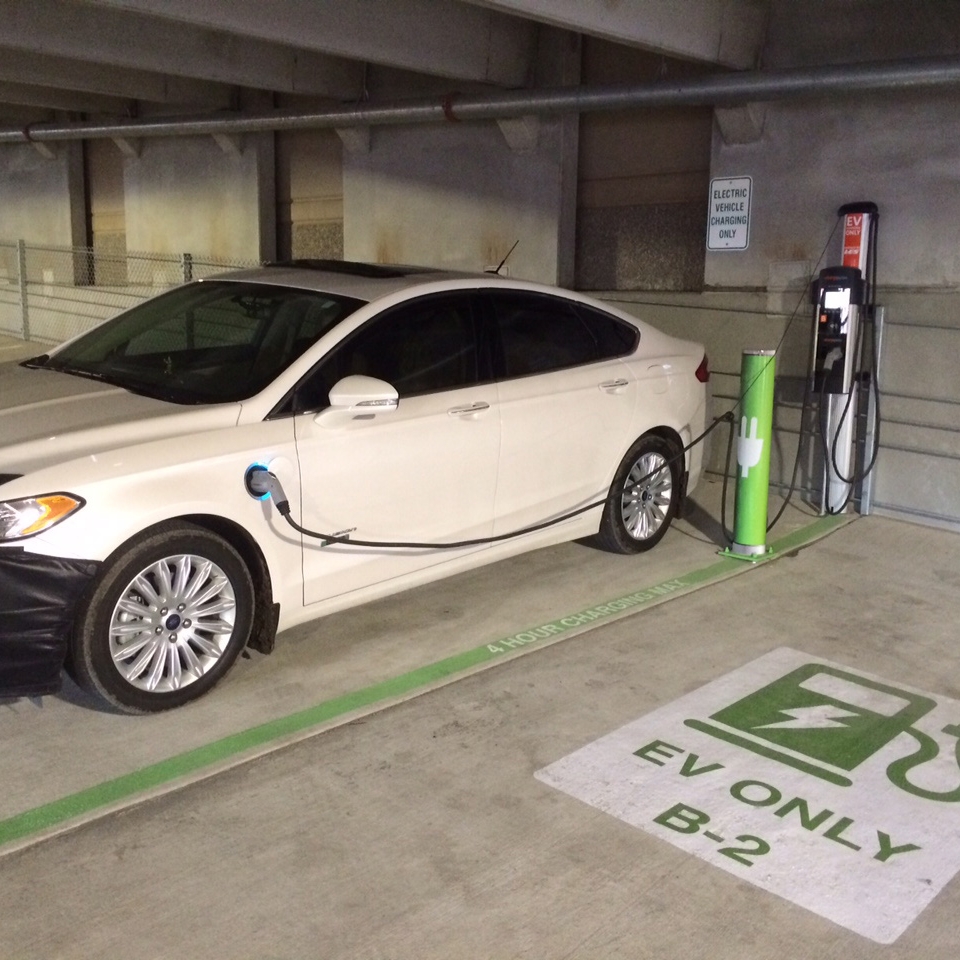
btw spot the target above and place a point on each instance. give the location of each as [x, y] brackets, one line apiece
[49, 294]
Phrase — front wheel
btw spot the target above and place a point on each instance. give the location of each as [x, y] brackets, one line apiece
[644, 497]
[167, 616]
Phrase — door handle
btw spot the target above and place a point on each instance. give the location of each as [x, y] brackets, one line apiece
[468, 409]
[614, 386]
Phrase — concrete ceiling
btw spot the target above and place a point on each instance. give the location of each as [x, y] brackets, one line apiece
[76, 59]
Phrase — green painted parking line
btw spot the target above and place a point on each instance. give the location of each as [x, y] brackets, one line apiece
[126, 787]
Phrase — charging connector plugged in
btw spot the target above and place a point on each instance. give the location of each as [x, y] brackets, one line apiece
[262, 483]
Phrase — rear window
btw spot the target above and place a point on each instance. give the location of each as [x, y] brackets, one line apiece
[538, 333]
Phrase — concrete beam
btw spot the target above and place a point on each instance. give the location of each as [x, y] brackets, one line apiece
[129, 146]
[94, 33]
[231, 144]
[727, 32]
[355, 139]
[46, 150]
[22, 66]
[28, 95]
[521, 133]
[743, 124]
[441, 37]
[15, 116]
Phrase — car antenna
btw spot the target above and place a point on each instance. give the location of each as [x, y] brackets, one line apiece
[504, 260]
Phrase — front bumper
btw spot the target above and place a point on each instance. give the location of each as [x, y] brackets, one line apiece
[38, 601]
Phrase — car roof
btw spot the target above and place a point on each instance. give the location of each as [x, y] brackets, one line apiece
[363, 281]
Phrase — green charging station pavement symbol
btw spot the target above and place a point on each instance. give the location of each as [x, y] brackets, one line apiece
[831, 788]
[834, 718]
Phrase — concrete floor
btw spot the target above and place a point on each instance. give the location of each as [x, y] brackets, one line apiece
[420, 830]
[415, 826]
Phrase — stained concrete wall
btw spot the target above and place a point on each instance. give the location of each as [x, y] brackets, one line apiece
[899, 151]
[41, 197]
[642, 180]
[457, 197]
[460, 195]
[188, 194]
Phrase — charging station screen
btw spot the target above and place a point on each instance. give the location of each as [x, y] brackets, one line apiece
[836, 299]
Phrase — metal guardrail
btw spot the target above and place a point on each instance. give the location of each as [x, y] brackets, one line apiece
[49, 294]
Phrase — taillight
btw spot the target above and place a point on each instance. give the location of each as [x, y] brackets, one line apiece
[703, 371]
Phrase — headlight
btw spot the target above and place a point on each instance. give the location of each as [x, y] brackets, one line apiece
[31, 515]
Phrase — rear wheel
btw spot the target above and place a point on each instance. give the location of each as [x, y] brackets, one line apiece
[168, 615]
[644, 497]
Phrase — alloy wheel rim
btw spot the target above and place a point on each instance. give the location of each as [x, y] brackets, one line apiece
[172, 623]
[647, 495]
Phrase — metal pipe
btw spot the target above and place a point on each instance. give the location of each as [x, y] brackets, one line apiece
[718, 90]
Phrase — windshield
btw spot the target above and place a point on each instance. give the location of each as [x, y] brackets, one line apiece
[207, 342]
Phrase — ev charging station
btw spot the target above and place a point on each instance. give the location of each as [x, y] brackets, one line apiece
[844, 311]
[843, 300]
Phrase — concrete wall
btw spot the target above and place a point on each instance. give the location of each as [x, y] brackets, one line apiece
[455, 196]
[42, 197]
[642, 180]
[188, 194]
[459, 195]
[917, 473]
[899, 151]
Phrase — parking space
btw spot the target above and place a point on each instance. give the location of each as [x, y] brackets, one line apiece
[298, 309]
[66, 758]
[429, 829]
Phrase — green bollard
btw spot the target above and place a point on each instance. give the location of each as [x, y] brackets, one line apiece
[753, 455]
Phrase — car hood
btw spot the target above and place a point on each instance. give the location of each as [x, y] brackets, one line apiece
[48, 417]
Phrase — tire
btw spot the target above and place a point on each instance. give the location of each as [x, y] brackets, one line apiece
[644, 497]
[166, 618]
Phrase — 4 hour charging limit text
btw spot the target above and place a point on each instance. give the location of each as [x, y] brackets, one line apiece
[745, 848]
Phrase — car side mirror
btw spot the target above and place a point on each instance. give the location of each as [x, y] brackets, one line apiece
[359, 398]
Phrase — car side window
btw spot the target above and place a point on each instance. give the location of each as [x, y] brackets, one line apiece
[614, 337]
[424, 346]
[539, 333]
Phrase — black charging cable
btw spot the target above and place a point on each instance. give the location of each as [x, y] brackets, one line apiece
[262, 483]
[804, 406]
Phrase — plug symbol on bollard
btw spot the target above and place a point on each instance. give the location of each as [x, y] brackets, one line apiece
[749, 448]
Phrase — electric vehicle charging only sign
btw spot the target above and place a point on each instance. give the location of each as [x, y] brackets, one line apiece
[729, 226]
[829, 787]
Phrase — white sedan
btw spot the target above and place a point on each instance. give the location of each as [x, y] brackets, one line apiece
[246, 453]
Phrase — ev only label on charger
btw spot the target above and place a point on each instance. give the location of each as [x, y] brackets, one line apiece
[829, 787]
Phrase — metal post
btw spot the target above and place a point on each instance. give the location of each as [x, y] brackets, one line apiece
[839, 460]
[870, 430]
[22, 278]
[186, 266]
[753, 454]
